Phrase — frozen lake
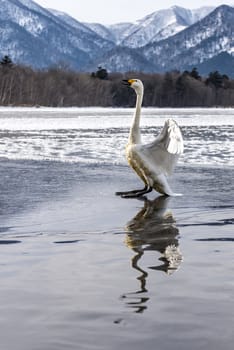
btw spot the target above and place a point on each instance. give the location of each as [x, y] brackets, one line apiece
[84, 269]
[99, 135]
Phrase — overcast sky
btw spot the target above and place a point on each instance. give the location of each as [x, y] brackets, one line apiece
[114, 11]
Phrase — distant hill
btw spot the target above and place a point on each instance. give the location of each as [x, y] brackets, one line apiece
[170, 39]
[223, 62]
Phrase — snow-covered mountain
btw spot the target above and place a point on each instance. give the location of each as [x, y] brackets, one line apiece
[38, 37]
[193, 46]
[156, 26]
[197, 43]
[118, 30]
[70, 21]
[175, 38]
[102, 31]
[161, 25]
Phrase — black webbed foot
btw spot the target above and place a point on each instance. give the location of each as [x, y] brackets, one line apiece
[133, 192]
[137, 194]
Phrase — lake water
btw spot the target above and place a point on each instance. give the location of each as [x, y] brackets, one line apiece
[81, 268]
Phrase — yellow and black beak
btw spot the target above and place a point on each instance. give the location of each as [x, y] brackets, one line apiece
[128, 82]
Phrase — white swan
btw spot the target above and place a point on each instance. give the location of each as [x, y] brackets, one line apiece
[154, 161]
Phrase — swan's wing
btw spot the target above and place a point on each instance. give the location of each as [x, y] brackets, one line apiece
[164, 151]
[170, 138]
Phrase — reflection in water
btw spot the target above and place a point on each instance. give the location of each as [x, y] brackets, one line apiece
[152, 229]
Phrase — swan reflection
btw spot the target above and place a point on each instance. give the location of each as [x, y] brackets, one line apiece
[152, 229]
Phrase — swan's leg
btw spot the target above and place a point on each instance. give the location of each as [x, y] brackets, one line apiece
[147, 189]
[131, 192]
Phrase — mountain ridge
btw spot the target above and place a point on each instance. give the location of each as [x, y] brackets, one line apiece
[39, 37]
[192, 46]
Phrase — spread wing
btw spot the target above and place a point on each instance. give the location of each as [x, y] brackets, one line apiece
[162, 154]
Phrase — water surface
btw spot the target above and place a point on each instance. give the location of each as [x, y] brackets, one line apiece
[84, 269]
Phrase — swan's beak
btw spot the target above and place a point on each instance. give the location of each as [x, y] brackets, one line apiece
[126, 82]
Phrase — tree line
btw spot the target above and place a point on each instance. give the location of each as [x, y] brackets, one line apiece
[62, 87]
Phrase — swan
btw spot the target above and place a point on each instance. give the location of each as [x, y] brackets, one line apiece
[154, 161]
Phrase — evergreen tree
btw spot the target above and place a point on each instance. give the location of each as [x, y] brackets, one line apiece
[194, 74]
[216, 79]
[6, 61]
[101, 73]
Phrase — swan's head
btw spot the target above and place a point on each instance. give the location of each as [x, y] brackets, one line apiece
[136, 84]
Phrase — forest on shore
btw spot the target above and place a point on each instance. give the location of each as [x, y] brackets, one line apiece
[62, 87]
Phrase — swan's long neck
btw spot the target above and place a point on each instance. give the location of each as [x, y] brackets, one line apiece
[135, 134]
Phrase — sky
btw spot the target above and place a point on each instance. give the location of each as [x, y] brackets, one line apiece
[115, 11]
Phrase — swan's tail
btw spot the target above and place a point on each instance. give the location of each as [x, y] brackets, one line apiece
[162, 186]
[176, 194]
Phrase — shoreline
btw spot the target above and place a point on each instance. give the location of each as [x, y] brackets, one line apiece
[122, 109]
